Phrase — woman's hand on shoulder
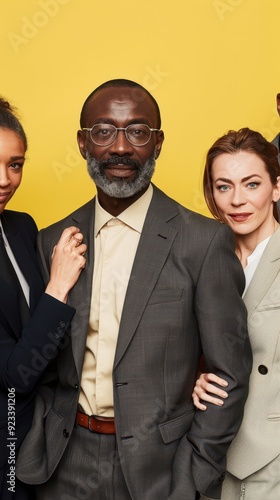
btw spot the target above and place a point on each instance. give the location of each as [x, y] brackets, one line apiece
[204, 390]
[68, 261]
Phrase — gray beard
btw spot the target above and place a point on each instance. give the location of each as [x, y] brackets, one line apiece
[121, 188]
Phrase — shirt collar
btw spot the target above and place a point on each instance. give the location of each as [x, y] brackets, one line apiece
[258, 251]
[134, 216]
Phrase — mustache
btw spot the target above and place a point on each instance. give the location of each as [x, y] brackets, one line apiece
[118, 160]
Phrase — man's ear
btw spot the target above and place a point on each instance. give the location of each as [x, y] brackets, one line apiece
[81, 138]
[160, 139]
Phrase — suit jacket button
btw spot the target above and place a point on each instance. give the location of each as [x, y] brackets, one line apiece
[222, 477]
[65, 433]
[263, 370]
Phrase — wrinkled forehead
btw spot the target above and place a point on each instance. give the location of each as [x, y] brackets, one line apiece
[120, 104]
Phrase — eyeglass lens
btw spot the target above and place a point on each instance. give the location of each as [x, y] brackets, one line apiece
[137, 134]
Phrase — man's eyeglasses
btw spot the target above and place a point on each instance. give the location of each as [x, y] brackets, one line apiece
[103, 134]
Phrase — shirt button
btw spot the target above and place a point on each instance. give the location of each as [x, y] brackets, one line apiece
[263, 369]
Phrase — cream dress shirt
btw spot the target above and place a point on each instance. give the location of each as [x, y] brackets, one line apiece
[115, 243]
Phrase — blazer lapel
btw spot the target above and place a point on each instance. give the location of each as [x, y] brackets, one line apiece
[80, 295]
[154, 246]
[9, 309]
[28, 265]
[261, 281]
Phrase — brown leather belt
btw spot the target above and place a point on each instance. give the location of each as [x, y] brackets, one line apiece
[102, 425]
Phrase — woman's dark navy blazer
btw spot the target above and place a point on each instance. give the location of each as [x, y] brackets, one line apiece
[25, 352]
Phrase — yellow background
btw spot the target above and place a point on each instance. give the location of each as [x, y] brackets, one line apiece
[212, 65]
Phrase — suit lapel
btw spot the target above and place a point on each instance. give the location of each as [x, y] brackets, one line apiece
[265, 273]
[153, 249]
[80, 295]
[27, 264]
[9, 308]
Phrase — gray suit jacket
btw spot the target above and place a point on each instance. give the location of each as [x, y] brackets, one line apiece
[183, 296]
[276, 142]
[258, 440]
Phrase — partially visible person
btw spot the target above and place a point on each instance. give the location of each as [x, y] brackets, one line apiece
[276, 140]
[117, 421]
[32, 322]
[242, 187]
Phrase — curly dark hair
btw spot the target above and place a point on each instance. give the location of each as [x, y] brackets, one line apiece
[9, 120]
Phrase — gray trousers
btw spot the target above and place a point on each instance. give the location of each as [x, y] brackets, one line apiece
[262, 485]
[90, 469]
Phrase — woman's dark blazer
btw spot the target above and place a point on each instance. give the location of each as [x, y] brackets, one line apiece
[25, 352]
